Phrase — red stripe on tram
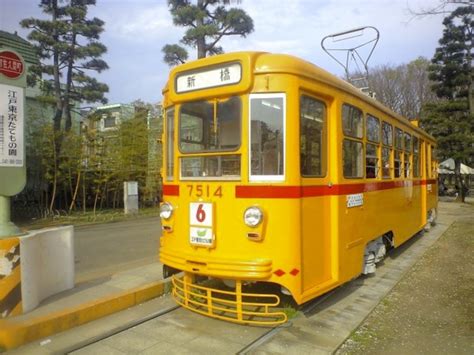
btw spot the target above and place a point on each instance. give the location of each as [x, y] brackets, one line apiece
[171, 190]
[321, 190]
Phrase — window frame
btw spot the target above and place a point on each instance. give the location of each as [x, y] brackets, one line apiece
[377, 160]
[391, 131]
[215, 102]
[324, 136]
[367, 117]
[266, 178]
[362, 129]
[170, 172]
[362, 158]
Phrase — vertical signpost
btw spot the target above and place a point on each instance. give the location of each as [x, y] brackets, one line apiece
[12, 145]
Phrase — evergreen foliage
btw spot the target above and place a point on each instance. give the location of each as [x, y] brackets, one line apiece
[69, 49]
[207, 22]
[451, 119]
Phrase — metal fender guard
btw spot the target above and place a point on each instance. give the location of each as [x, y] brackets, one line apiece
[233, 306]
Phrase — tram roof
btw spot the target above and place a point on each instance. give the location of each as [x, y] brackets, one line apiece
[266, 63]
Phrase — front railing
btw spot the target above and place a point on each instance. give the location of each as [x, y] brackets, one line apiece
[234, 306]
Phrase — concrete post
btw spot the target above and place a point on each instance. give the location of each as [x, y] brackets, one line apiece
[7, 228]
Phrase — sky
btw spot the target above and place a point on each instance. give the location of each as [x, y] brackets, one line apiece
[136, 31]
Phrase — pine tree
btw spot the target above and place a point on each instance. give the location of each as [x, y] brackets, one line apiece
[451, 119]
[207, 22]
[69, 49]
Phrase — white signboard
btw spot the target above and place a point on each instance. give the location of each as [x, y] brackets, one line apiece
[355, 200]
[217, 76]
[200, 220]
[201, 236]
[132, 188]
[11, 126]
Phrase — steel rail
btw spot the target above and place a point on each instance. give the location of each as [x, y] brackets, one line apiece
[116, 330]
[306, 308]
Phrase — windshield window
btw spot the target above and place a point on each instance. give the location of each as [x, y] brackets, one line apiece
[220, 166]
[209, 126]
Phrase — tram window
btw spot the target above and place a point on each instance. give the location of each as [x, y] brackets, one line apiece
[434, 168]
[170, 143]
[387, 134]
[373, 129]
[397, 164]
[312, 137]
[428, 160]
[210, 167]
[371, 161]
[416, 157]
[352, 121]
[210, 126]
[267, 136]
[398, 138]
[406, 160]
[352, 159]
[407, 137]
[386, 163]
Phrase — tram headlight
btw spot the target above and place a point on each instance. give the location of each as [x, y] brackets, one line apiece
[253, 216]
[166, 210]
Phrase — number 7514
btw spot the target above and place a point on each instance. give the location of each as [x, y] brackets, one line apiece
[204, 191]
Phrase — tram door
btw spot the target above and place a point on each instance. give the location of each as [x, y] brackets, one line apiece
[315, 207]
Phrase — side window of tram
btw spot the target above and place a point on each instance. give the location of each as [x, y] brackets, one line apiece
[267, 134]
[352, 149]
[406, 160]
[169, 143]
[416, 157]
[398, 152]
[312, 137]
[387, 143]
[371, 150]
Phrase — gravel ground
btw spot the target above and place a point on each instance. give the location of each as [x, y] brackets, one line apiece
[431, 310]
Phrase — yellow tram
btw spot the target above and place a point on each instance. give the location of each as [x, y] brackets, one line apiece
[276, 171]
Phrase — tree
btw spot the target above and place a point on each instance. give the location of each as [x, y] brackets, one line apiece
[404, 88]
[207, 22]
[69, 49]
[451, 120]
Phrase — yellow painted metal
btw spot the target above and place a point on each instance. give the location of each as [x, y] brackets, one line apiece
[307, 244]
[234, 306]
[10, 278]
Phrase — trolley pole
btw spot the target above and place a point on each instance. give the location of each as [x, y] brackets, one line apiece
[12, 145]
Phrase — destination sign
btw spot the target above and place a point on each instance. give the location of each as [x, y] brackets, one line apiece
[227, 74]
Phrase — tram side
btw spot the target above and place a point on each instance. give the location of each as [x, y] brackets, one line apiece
[378, 184]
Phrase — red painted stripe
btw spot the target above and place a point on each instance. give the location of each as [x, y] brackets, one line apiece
[171, 190]
[321, 190]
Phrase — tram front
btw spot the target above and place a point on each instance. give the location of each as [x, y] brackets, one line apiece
[225, 144]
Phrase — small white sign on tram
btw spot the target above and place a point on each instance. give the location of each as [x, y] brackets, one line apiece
[217, 76]
[200, 221]
[11, 126]
[355, 200]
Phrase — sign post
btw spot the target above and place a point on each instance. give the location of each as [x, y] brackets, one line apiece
[12, 145]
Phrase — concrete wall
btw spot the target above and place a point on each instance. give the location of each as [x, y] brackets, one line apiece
[47, 264]
[34, 267]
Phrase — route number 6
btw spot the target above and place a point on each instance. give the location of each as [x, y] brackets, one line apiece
[200, 214]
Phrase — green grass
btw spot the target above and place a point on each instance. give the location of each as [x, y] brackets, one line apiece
[290, 311]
